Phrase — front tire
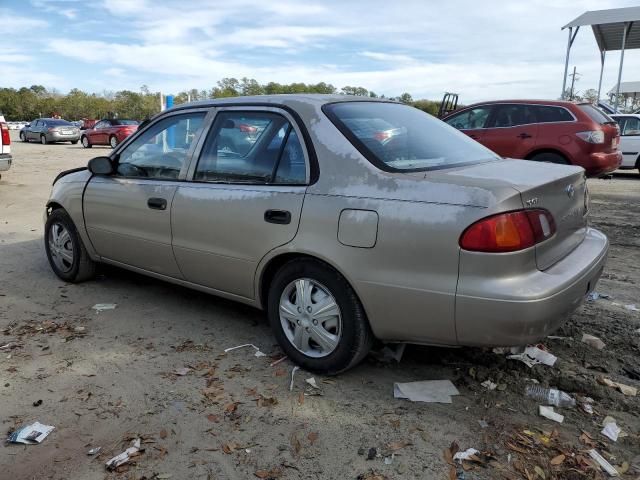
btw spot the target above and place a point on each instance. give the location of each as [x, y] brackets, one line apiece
[550, 157]
[317, 317]
[23, 137]
[43, 139]
[113, 141]
[85, 142]
[66, 253]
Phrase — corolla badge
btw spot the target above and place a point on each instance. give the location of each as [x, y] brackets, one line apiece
[570, 191]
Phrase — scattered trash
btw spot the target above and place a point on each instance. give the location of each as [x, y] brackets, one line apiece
[550, 396]
[37, 403]
[257, 354]
[280, 360]
[466, 455]
[548, 412]
[533, 356]
[595, 342]
[99, 307]
[439, 391]
[94, 451]
[388, 353]
[489, 385]
[30, 434]
[372, 453]
[389, 460]
[483, 424]
[596, 296]
[632, 307]
[124, 457]
[611, 429]
[312, 381]
[181, 372]
[293, 373]
[606, 466]
[625, 389]
[587, 408]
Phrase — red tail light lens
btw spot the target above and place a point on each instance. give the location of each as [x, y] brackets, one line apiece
[4, 131]
[509, 232]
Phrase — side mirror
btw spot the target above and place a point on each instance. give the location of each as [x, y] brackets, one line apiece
[100, 166]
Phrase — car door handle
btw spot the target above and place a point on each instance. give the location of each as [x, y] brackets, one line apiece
[282, 217]
[524, 135]
[157, 203]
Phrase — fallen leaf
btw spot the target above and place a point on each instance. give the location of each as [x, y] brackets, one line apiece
[231, 407]
[213, 418]
[312, 437]
[540, 472]
[280, 372]
[163, 433]
[301, 398]
[558, 460]
[398, 445]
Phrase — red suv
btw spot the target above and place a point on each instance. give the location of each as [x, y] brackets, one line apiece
[108, 132]
[545, 131]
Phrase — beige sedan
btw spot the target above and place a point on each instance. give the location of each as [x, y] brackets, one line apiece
[346, 219]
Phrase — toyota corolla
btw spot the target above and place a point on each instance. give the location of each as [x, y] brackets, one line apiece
[345, 219]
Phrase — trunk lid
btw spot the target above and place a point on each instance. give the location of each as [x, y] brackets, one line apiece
[560, 189]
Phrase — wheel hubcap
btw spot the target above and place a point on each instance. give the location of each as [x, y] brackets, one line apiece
[114, 142]
[310, 317]
[61, 247]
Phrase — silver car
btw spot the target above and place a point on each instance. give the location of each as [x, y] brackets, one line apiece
[346, 219]
[50, 130]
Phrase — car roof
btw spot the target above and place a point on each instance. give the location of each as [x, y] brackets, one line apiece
[284, 99]
[613, 115]
[561, 103]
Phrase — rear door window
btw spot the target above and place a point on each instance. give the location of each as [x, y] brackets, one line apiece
[471, 119]
[512, 116]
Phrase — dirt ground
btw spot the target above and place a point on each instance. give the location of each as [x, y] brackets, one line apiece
[105, 379]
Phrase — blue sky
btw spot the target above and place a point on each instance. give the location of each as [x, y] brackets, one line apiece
[482, 50]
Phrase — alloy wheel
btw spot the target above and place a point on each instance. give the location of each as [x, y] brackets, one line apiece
[310, 317]
[61, 247]
[113, 142]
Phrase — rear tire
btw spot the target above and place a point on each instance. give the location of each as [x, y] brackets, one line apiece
[550, 157]
[85, 142]
[66, 253]
[23, 137]
[349, 341]
[43, 140]
[113, 141]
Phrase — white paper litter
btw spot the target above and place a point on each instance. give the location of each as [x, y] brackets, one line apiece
[99, 307]
[632, 307]
[470, 452]
[94, 451]
[548, 412]
[123, 458]
[293, 374]
[606, 466]
[483, 423]
[595, 342]
[533, 356]
[596, 296]
[489, 385]
[312, 381]
[438, 391]
[611, 428]
[257, 354]
[181, 372]
[30, 434]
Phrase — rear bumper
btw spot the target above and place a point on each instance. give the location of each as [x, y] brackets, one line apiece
[57, 137]
[602, 163]
[523, 309]
[5, 162]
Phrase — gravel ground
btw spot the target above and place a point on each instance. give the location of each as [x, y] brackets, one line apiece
[105, 379]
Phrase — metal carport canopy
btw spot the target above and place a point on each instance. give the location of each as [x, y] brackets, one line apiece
[613, 29]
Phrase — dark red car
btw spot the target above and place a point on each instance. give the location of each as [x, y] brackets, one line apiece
[108, 131]
[546, 131]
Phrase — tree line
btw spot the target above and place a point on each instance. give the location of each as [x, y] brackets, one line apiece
[36, 101]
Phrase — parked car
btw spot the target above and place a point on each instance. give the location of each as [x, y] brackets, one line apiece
[427, 238]
[88, 123]
[629, 140]
[50, 130]
[547, 131]
[108, 132]
[5, 146]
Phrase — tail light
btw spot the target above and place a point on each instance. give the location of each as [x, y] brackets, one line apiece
[593, 136]
[509, 232]
[4, 131]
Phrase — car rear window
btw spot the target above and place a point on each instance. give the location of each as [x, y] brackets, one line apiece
[124, 122]
[595, 114]
[397, 137]
[59, 123]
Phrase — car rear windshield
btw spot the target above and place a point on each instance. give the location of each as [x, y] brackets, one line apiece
[595, 114]
[124, 122]
[57, 123]
[397, 137]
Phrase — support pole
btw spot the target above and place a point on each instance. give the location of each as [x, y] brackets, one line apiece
[602, 54]
[566, 60]
[627, 27]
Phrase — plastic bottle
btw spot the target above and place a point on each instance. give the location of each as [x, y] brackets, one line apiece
[550, 396]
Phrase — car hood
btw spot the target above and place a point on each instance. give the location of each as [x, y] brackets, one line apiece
[80, 174]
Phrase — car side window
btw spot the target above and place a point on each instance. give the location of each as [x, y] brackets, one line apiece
[631, 126]
[550, 113]
[160, 151]
[470, 119]
[512, 115]
[251, 147]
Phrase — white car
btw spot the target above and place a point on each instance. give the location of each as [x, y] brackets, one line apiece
[629, 140]
[5, 145]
